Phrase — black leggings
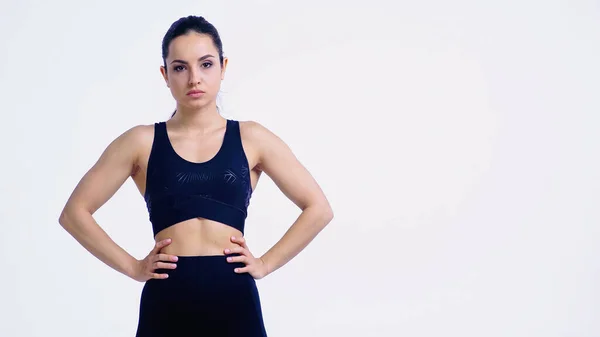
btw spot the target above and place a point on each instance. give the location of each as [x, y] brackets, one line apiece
[203, 296]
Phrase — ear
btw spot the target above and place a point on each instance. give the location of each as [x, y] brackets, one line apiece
[225, 61]
[164, 74]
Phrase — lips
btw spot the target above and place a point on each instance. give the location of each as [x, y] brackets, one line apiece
[195, 92]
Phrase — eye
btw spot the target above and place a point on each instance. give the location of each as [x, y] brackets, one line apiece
[206, 64]
[178, 68]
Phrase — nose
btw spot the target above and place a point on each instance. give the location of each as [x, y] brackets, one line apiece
[194, 77]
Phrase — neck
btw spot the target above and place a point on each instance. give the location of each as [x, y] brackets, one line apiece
[203, 119]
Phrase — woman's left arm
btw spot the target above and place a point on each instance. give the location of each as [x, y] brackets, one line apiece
[278, 161]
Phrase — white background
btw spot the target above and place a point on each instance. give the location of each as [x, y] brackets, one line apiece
[456, 140]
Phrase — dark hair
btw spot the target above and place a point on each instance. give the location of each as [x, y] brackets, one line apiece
[188, 24]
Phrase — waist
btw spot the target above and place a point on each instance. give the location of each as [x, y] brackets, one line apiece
[198, 237]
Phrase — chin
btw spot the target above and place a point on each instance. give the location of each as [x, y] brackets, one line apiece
[197, 103]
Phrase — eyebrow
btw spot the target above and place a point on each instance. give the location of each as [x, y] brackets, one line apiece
[200, 59]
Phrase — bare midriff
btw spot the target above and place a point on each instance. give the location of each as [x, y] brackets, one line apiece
[198, 237]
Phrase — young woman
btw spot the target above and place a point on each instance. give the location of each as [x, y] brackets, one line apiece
[196, 172]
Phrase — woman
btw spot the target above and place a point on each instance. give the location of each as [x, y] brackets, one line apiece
[196, 172]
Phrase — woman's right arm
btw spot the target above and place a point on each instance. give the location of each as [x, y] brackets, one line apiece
[100, 183]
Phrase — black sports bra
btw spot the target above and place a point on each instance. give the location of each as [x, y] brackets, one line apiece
[218, 189]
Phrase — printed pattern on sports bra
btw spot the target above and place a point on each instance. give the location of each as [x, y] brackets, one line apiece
[178, 190]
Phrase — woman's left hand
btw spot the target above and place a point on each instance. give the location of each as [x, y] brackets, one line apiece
[254, 266]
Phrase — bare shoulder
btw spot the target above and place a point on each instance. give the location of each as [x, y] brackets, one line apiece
[253, 130]
[141, 134]
[263, 141]
[278, 161]
[137, 140]
[116, 163]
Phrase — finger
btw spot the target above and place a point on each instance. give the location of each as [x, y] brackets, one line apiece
[166, 257]
[237, 250]
[159, 276]
[242, 270]
[163, 265]
[241, 258]
[160, 244]
[240, 241]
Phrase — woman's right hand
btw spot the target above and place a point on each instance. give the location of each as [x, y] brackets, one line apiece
[145, 269]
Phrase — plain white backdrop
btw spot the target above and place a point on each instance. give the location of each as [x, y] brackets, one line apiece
[456, 140]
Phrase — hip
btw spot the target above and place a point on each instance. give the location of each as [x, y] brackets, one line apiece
[204, 296]
[196, 274]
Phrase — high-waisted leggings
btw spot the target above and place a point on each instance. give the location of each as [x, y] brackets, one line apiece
[202, 296]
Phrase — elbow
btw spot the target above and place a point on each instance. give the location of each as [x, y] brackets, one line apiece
[321, 212]
[66, 217]
[326, 213]
[63, 218]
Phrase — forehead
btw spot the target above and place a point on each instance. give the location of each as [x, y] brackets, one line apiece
[191, 46]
